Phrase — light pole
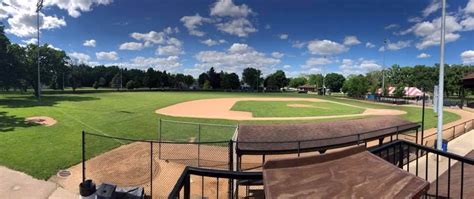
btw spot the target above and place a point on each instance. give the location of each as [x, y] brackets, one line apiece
[439, 129]
[383, 65]
[39, 6]
[324, 77]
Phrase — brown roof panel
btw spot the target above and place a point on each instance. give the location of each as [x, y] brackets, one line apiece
[351, 173]
[284, 137]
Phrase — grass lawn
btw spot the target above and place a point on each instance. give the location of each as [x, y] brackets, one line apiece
[41, 151]
[282, 108]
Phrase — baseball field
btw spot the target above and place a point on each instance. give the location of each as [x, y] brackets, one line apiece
[41, 149]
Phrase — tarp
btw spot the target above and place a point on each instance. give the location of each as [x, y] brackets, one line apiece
[351, 173]
[409, 91]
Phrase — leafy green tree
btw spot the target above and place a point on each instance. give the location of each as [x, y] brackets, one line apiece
[399, 91]
[334, 81]
[130, 85]
[276, 80]
[189, 80]
[297, 81]
[316, 80]
[214, 78]
[115, 83]
[252, 77]
[356, 86]
[203, 77]
[230, 81]
[206, 85]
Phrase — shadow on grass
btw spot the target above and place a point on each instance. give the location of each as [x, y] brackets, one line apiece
[31, 101]
[10, 122]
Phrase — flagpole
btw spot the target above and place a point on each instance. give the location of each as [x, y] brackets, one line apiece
[439, 129]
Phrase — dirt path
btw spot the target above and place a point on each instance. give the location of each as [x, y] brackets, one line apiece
[220, 108]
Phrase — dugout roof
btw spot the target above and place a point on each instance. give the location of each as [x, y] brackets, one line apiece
[351, 173]
[290, 138]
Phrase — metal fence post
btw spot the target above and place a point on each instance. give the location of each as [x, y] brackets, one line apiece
[83, 156]
[423, 118]
[299, 148]
[159, 140]
[231, 165]
[199, 144]
[151, 169]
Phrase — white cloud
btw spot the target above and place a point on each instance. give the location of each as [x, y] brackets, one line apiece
[21, 16]
[298, 44]
[423, 56]
[192, 23]
[75, 7]
[169, 50]
[277, 55]
[79, 57]
[351, 40]
[30, 41]
[90, 43]
[415, 19]
[131, 46]
[112, 55]
[316, 62]
[369, 45]
[240, 27]
[325, 47]
[392, 26]
[395, 46]
[226, 8]
[54, 47]
[360, 66]
[151, 38]
[434, 6]
[429, 32]
[468, 23]
[469, 7]
[283, 36]
[211, 42]
[467, 57]
[286, 66]
[158, 63]
[235, 59]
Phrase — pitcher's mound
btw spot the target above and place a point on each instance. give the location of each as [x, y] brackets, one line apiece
[42, 120]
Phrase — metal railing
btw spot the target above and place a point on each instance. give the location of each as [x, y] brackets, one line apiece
[182, 189]
[419, 160]
[449, 133]
[413, 158]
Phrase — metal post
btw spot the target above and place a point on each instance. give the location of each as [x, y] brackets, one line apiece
[83, 156]
[231, 165]
[159, 140]
[199, 144]
[187, 187]
[383, 66]
[151, 169]
[39, 6]
[439, 129]
[423, 118]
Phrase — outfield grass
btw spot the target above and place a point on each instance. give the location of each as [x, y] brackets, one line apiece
[41, 151]
[282, 108]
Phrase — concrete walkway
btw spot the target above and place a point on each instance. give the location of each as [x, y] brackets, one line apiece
[17, 185]
[460, 146]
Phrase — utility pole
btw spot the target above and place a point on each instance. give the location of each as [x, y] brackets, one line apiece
[383, 65]
[324, 77]
[120, 67]
[439, 129]
[39, 6]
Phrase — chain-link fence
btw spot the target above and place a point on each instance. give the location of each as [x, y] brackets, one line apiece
[157, 164]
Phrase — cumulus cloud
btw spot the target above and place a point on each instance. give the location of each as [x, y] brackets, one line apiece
[283, 36]
[192, 23]
[392, 26]
[423, 56]
[30, 41]
[157, 38]
[112, 55]
[298, 44]
[240, 27]
[351, 40]
[467, 57]
[158, 63]
[468, 24]
[277, 55]
[89, 43]
[21, 15]
[360, 66]
[316, 62]
[434, 6]
[235, 59]
[469, 7]
[169, 50]
[211, 42]
[79, 57]
[326, 47]
[131, 46]
[429, 34]
[286, 66]
[395, 46]
[227, 8]
[369, 45]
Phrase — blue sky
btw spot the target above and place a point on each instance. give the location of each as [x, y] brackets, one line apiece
[299, 37]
